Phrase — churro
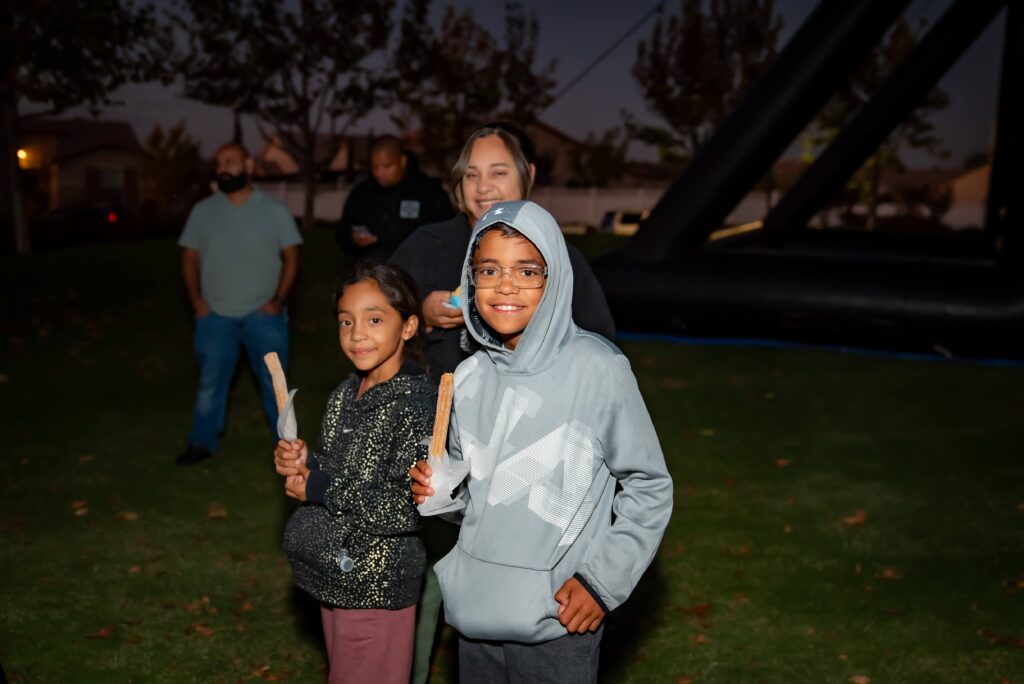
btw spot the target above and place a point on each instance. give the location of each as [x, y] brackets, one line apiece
[277, 377]
[444, 407]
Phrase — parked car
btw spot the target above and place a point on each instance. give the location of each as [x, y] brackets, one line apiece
[622, 222]
[575, 228]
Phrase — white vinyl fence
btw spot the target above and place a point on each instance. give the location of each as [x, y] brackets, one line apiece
[582, 205]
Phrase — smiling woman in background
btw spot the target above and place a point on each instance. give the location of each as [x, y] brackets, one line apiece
[496, 165]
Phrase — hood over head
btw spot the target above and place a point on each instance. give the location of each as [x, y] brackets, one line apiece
[551, 326]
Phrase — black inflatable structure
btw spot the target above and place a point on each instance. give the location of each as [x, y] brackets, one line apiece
[964, 294]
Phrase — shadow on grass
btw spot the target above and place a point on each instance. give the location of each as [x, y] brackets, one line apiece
[306, 610]
[629, 624]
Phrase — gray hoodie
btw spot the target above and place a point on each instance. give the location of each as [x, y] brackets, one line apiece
[548, 430]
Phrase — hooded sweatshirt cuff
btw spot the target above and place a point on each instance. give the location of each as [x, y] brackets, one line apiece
[590, 590]
[316, 486]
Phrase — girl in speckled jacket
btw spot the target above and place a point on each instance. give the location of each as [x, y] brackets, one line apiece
[354, 544]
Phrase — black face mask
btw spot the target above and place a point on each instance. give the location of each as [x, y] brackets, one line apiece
[229, 184]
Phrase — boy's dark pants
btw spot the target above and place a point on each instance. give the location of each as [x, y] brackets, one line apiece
[571, 659]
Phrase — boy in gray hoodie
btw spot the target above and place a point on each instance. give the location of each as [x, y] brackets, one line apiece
[550, 419]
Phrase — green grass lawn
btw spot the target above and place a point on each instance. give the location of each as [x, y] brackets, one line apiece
[835, 515]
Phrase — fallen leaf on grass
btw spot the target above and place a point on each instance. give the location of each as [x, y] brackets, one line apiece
[859, 679]
[127, 515]
[87, 458]
[699, 610]
[889, 573]
[707, 432]
[782, 462]
[263, 673]
[741, 551]
[684, 680]
[79, 503]
[679, 548]
[843, 657]
[216, 510]
[858, 518]
[135, 570]
[857, 568]
[246, 607]
[699, 639]
[134, 641]
[1001, 639]
[102, 633]
[192, 606]
[787, 529]
[700, 614]
[740, 598]
[200, 628]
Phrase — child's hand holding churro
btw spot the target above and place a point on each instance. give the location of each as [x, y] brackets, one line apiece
[434, 480]
[420, 475]
[290, 458]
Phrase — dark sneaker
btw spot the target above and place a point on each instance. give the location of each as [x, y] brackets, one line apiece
[192, 455]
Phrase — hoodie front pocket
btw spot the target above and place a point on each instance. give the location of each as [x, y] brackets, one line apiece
[496, 602]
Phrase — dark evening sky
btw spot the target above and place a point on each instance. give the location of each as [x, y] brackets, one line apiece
[574, 32]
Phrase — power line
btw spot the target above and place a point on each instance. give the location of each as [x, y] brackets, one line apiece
[590, 67]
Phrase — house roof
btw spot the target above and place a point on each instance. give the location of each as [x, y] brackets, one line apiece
[76, 137]
[565, 137]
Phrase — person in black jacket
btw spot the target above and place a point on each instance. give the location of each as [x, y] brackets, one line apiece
[383, 210]
[355, 545]
[496, 165]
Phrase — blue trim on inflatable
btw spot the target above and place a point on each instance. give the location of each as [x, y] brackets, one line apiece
[781, 344]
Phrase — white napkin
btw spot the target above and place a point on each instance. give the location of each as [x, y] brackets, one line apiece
[447, 474]
[287, 426]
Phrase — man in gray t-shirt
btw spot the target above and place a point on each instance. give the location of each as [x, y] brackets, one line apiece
[240, 257]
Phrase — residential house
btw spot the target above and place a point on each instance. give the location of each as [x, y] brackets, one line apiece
[79, 162]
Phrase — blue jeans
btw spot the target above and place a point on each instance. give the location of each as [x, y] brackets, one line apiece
[217, 344]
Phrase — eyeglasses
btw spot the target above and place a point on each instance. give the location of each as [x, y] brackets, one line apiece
[523, 277]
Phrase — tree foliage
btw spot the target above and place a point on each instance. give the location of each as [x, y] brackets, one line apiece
[60, 54]
[696, 65]
[171, 171]
[600, 160]
[299, 67]
[448, 80]
[916, 131]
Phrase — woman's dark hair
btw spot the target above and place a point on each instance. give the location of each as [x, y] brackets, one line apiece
[399, 289]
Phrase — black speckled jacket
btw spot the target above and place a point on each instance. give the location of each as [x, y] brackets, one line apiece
[359, 496]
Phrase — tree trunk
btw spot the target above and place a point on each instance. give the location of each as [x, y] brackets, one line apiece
[10, 172]
[309, 176]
